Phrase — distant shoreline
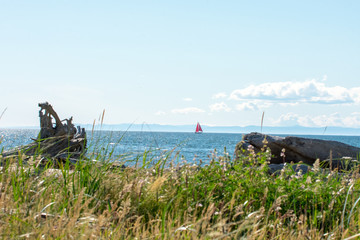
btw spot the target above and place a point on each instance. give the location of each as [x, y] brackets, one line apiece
[292, 130]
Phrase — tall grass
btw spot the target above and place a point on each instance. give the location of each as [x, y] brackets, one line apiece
[225, 199]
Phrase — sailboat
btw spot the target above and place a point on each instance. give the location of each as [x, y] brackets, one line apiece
[198, 128]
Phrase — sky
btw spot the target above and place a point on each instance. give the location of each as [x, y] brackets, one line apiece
[221, 63]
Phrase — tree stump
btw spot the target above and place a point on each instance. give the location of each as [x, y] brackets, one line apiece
[58, 139]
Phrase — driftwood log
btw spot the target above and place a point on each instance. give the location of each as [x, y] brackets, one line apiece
[331, 154]
[58, 139]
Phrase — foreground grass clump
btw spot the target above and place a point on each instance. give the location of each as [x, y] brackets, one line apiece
[221, 200]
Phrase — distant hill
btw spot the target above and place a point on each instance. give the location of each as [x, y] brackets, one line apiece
[298, 130]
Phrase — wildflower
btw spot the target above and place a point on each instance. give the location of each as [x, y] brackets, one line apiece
[282, 154]
[250, 148]
[265, 142]
[351, 181]
[185, 228]
[268, 152]
[308, 180]
[340, 191]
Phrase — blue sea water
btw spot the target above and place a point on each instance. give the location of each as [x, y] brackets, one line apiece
[184, 146]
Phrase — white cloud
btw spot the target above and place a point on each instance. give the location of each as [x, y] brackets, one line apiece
[219, 95]
[217, 107]
[187, 110]
[309, 91]
[334, 120]
[247, 106]
[291, 104]
[293, 119]
[253, 105]
[187, 99]
[160, 113]
[355, 94]
[353, 120]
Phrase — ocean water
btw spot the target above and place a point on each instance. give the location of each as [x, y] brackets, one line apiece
[183, 146]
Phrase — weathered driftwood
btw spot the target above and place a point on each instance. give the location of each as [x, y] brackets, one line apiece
[330, 153]
[57, 139]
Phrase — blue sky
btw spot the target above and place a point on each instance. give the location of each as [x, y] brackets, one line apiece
[178, 62]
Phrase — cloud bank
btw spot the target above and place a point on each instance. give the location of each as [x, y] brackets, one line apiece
[219, 95]
[217, 107]
[309, 91]
[334, 119]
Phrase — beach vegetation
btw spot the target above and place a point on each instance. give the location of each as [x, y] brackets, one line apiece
[170, 198]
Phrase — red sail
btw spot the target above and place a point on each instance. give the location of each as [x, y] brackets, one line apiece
[198, 128]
